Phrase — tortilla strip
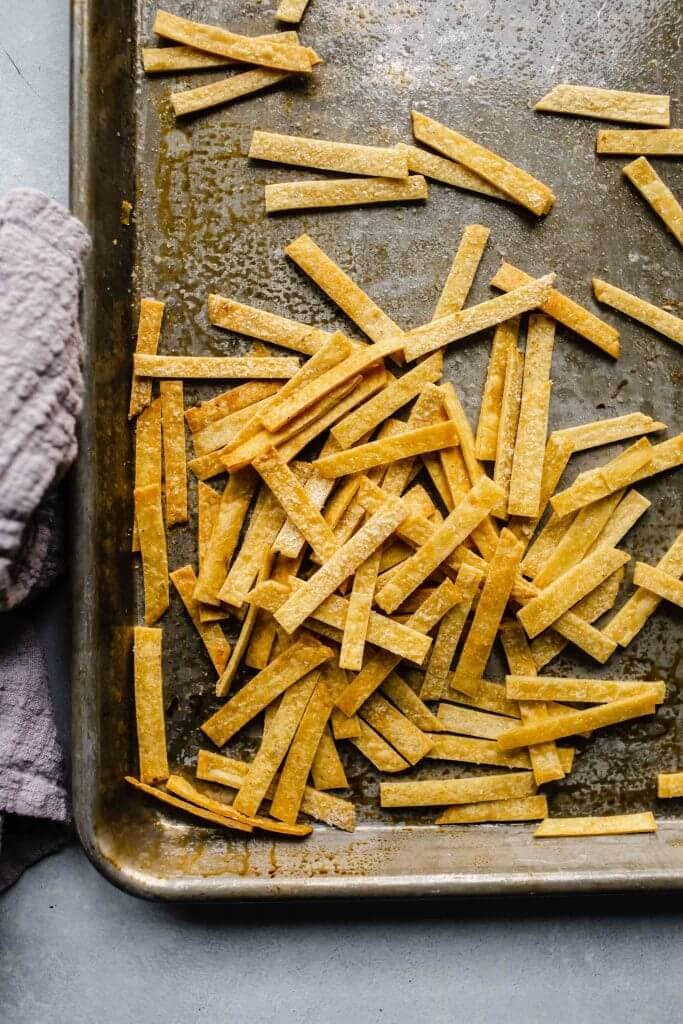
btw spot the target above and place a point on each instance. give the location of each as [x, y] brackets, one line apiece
[388, 401]
[507, 427]
[232, 512]
[291, 11]
[526, 809]
[149, 518]
[463, 269]
[148, 463]
[611, 825]
[343, 726]
[290, 788]
[489, 697]
[228, 402]
[339, 287]
[407, 701]
[358, 615]
[432, 793]
[184, 805]
[627, 513]
[327, 769]
[504, 341]
[646, 142]
[290, 541]
[563, 309]
[653, 190]
[175, 465]
[265, 523]
[546, 543]
[644, 312]
[213, 638]
[521, 186]
[421, 161]
[149, 330]
[663, 584]
[388, 449]
[466, 722]
[669, 785]
[557, 455]
[469, 750]
[378, 751]
[184, 789]
[529, 451]
[286, 669]
[244, 639]
[549, 644]
[577, 630]
[327, 155]
[295, 503]
[190, 101]
[597, 483]
[227, 431]
[258, 323]
[302, 195]
[149, 704]
[215, 367]
[607, 104]
[448, 634]
[578, 539]
[410, 742]
[581, 691]
[159, 59]
[572, 722]
[456, 326]
[208, 503]
[620, 428]
[251, 50]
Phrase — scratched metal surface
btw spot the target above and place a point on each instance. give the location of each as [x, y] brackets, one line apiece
[199, 226]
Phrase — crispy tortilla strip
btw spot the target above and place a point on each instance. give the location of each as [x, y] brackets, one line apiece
[597, 483]
[302, 195]
[410, 742]
[241, 646]
[265, 628]
[148, 460]
[378, 751]
[227, 403]
[607, 104]
[546, 543]
[226, 431]
[498, 584]
[663, 584]
[175, 464]
[358, 615]
[463, 269]
[669, 785]
[563, 309]
[149, 704]
[388, 449]
[226, 771]
[620, 428]
[448, 634]
[578, 631]
[287, 668]
[327, 769]
[327, 155]
[190, 101]
[456, 326]
[646, 142]
[159, 59]
[208, 504]
[504, 341]
[489, 697]
[290, 788]
[213, 637]
[549, 644]
[557, 455]
[258, 323]
[290, 541]
[291, 11]
[578, 539]
[530, 809]
[393, 552]
[232, 513]
[184, 789]
[581, 691]
[251, 50]
[644, 312]
[150, 521]
[512, 180]
[295, 503]
[149, 330]
[406, 700]
[457, 415]
[397, 394]
[665, 455]
[339, 287]
[342, 564]
[524, 498]
[653, 190]
[475, 751]
[507, 427]
[611, 825]
[421, 161]
[466, 722]
[265, 523]
[432, 793]
[572, 722]
[343, 726]
[190, 808]
[215, 367]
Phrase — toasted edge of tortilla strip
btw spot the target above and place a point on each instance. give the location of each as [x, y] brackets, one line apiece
[444, 792]
[183, 788]
[448, 634]
[191, 101]
[611, 825]
[327, 155]
[611, 476]
[470, 750]
[642, 174]
[581, 691]
[507, 426]
[467, 722]
[327, 769]
[149, 331]
[572, 722]
[607, 104]
[148, 457]
[463, 269]
[529, 808]
[150, 522]
[504, 340]
[215, 367]
[599, 432]
[302, 195]
[213, 637]
[578, 539]
[658, 582]
[644, 312]
[387, 449]
[259, 323]
[376, 749]
[643, 142]
[149, 704]
[190, 808]
[440, 168]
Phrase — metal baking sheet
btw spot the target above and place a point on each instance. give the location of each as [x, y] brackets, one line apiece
[199, 226]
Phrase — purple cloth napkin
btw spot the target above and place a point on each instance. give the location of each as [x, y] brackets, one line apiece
[41, 251]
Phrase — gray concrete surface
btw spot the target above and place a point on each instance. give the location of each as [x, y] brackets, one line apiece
[74, 948]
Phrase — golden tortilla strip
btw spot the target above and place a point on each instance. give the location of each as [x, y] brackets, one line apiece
[286, 669]
[581, 691]
[235, 400]
[184, 789]
[378, 752]
[232, 513]
[149, 704]
[215, 367]
[208, 504]
[642, 174]
[663, 456]
[557, 455]
[343, 726]
[213, 637]
[579, 631]
[489, 697]
[466, 722]
[456, 326]
[644, 312]
[388, 449]
[611, 825]
[524, 498]
[578, 539]
[159, 59]
[627, 513]
[339, 287]
[326, 155]
[448, 634]
[410, 742]
[643, 142]
[190, 101]
[251, 50]
[393, 553]
[295, 503]
[549, 644]
[327, 769]
[457, 415]
[226, 771]
[546, 543]
[663, 584]
[407, 701]
[148, 459]
[263, 527]
[291, 11]
[290, 541]
[469, 750]
[463, 269]
[476, 650]
[607, 104]
[150, 522]
[358, 615]
[421, 161]
[175, 464]
[620, 428]
[669, 785]
[388, 401]
[302, 195]
[263, 635]
[225, 432]
[507, 427]
[572, 722]
[563, 309]
[242, 643]
[149, 330]
[258, 323]
[342, 564]
[432, 793]
[223, 820]
[530, 808]
[597, 483]
[504, 341]
[516, 183]
[290, 787]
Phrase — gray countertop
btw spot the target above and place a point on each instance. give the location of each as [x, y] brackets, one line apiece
[74, 948]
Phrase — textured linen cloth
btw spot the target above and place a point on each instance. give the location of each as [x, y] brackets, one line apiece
[41, 251]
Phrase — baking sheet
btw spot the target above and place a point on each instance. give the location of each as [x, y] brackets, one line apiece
[199, 226]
